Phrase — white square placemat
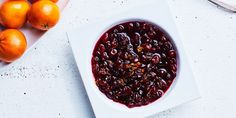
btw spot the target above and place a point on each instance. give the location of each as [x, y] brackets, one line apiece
[82, 41]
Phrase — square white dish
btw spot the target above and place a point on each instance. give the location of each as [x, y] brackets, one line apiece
[83, 40]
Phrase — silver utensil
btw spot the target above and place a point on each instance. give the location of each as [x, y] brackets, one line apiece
[224, 5]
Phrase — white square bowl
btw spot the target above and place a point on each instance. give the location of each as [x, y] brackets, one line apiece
[84, 39]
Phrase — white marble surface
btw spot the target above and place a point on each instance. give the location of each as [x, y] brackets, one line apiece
[45, 82]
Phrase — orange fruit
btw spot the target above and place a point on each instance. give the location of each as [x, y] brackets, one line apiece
[13, 13]
[43, 14]
[12, 45]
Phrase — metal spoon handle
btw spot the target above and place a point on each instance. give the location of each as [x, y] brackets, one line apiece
[224, 5]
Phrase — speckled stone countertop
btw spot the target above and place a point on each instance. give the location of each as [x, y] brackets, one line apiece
[45, 82]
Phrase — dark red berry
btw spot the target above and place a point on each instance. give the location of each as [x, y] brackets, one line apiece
[102, 48]
[172, 54]
[113, 52]
[156, 58]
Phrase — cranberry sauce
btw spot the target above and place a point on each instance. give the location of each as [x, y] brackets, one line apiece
[134, 63]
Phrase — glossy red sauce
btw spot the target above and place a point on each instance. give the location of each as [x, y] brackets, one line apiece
[134, 63]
